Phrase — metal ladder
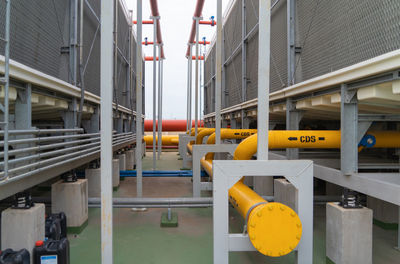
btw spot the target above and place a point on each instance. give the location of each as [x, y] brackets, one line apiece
[5, 81]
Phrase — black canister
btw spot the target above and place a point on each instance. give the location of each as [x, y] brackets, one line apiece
[56, 226]
[51, 252]
[10, 256]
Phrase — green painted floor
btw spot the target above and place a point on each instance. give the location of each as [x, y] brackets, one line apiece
[138, 237]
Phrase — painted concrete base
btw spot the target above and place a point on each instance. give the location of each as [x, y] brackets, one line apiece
[22, 228]
[348, 235]
[72, 199]
[115, 173]
[122, 161]
[264, 185]
[285, 192]
[130, 159]
[386, 215]
[93, 177]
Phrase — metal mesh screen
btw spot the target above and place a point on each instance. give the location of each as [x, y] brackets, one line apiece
[38, 31]
[336, 34]
[332, 35]
[40, 37]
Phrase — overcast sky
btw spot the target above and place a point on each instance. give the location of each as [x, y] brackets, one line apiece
[176, 21]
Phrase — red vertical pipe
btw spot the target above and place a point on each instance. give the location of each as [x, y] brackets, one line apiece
[197, 13]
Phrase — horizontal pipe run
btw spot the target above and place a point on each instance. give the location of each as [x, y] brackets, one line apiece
[42, 131]
[46, 139]
[132, 173]
[42, 162]
[27, 174]
[204, 42]
[208, 22]
[150, 58]
[144, 22]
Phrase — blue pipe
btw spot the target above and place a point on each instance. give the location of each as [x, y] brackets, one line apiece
[151, 173]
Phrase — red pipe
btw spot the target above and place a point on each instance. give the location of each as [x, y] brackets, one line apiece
[156, 13]
[202, 42]
[200, 57]
[144, 22]
[197, 13]
[170, 125]
[150, 58]
[205, 22]
[147, 43]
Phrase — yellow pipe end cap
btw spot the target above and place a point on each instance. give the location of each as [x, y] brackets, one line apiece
[274, 229]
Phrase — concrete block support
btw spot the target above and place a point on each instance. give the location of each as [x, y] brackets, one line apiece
[72, 199]
[286, 193]
[386, 215]
[122, 161]
[115, 173]
[94, 182]
[130, 159]
[22, 228]
[348, 234]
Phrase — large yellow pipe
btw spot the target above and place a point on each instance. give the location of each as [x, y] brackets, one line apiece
[275, 229]
[166, 140]
[203, 133]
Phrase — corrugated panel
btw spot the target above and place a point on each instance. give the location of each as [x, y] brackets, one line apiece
[38, 31]
[336, 34]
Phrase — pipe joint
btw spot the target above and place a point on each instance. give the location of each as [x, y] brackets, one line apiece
[155, 17]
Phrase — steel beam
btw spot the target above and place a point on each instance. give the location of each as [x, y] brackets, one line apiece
[218, 73]
[154, 88]
[139, 100]
[196, 78]
[106, 91]
[349, 128]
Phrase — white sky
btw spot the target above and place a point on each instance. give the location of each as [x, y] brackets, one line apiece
[176, 22]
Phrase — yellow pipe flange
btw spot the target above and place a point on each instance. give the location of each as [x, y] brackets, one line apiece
[274, 229]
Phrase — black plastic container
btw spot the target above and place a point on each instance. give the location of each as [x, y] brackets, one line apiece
[56, 226]
[10, 256]
[51, 251]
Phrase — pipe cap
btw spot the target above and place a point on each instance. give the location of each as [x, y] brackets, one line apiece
[274, 229]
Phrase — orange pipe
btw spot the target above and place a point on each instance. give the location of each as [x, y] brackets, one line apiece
[208, 22]
[144, 22]
[148, 43]
[200, 57]
[202, 42]
[150, 58]
[170, 125]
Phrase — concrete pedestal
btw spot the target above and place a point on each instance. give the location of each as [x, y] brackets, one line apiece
[130, 159]
[72, 199]
[115, 173]
[122, 161]
[348, 235]
[22, 228]
[386, 215]
[264, 185]
[285, 192]
[93, 177]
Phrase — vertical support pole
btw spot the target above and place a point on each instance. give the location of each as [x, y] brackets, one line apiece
[291, 11]
[196, 79]
[159, 139]
[190, 86]
[188, 95]
[154, 88]
[139, 100]
[349, 133]
[115, 33]
[73, 40]
[293, 118]
[218, 74]
[244, 57]
[106, 90]
[161, 95]
[6, 86]
[264, 31]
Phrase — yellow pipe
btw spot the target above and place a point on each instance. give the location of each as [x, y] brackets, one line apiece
[229, 134]
[275, 229]
[203, 133]
[166, 140]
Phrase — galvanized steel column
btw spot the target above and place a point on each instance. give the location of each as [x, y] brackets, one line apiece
[190, 86]
[218, 74]
[159, 141]
[139, 102]
[154, 87]
[106, 90]
[264, 31]
[196, 80]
